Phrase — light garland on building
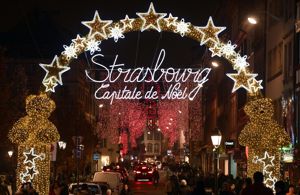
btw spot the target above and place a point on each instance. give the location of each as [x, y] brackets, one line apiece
[33, 134]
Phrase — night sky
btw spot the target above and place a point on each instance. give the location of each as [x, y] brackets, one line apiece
[39, 29]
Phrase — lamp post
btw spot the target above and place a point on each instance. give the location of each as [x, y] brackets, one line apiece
[216, 138]
[12, 178]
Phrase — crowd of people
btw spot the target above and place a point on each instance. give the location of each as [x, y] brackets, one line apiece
[188, 181]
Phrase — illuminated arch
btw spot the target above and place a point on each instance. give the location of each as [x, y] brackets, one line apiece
[101, 30]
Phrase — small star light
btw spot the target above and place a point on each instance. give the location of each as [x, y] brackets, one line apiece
[31, 172]
[270, 182]
[92, 46]
[97, 26]
[70, 51]
[210, 32]
[79, 42]
[241, 80]
[256, 85]
[171, 20]
[116, 32]
[50, 85]
[127, 22]
[216, 50]
[182, 27]
[228, 49]
[54, 70]
[240, 63]
[151, 19]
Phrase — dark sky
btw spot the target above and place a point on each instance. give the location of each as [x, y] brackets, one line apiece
[39, 29]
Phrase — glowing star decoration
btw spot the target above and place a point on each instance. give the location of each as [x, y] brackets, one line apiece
[255, 85]
[54, 70]
[228, 49]
[241, 80]
[151, 19]
[30, 156]
[216, 50]
[50, 85]
[70, 51]
[97, 26]
[240, 63]
[171, 20]
[182, 27]
[127, 22]
[270, 183]
[267, 160]
[268, 166]
[92, 46]
[79, 41]
[116, 32]
[210, 32]
[31, 171]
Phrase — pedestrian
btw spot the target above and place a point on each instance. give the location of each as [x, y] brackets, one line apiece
[258, 187]
[280, 188]
[246, 184]
[108, 192]
[184, 188]
[199, 189]
[55, 189]
[155, 177]
[30, 189]
[291, 190]
[125, 190]
[226, 189]
[3, 187]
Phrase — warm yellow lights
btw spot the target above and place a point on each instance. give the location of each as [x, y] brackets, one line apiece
[263, 134]
[34, 133]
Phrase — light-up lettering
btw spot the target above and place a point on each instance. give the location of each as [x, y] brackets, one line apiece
[175, 77]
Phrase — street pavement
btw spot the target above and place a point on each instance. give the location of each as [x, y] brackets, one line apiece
[148, 188]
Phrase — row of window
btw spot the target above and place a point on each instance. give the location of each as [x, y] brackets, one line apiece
[153, 148]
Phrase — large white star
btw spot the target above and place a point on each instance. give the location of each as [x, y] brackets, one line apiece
[31, 156]
[241, 80]
[267, 160]
[151, 18]
[210, 32]
[31, 172]
[97, 26]
[54, 70]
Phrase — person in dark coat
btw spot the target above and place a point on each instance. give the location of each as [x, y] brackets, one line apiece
[199, 189]
[280, 188]
[258, 187]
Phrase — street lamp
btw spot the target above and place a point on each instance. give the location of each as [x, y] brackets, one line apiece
[215, 64]
[216, 138]
[253, 19]
[10, 153]
[62, 145]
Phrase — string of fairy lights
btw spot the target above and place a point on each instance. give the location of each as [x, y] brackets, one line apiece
[34, 134]
[35, 131]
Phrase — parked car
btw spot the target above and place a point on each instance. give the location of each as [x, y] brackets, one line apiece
[113, 179]
[143, 173]
[93, 188]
